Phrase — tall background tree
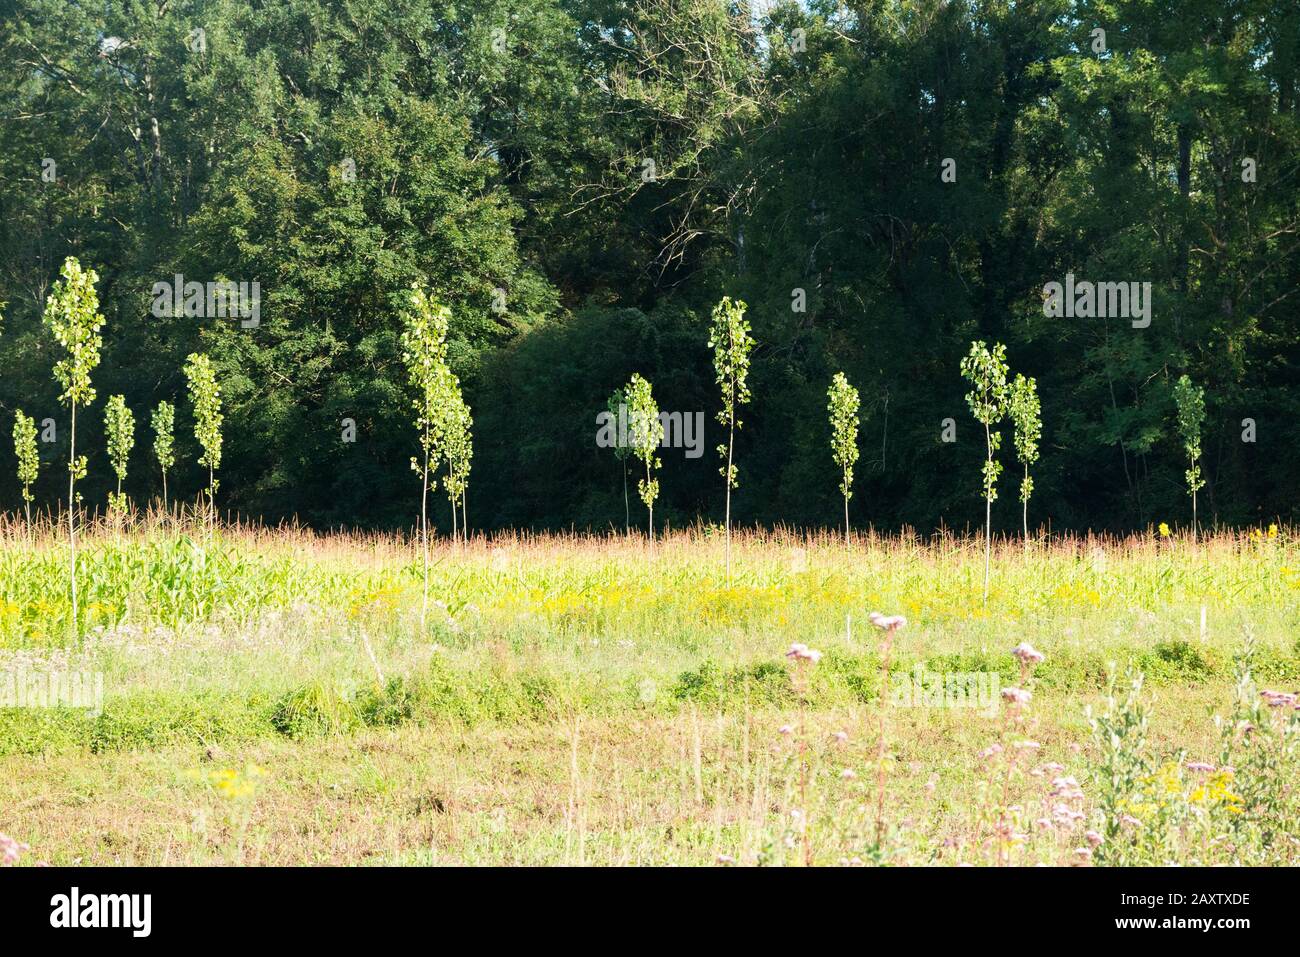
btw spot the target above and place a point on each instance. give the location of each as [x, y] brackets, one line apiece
[882, 181]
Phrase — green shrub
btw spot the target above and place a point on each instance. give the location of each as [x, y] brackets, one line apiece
[314, 709]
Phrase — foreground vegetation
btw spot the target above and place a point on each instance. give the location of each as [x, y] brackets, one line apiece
[269, 697]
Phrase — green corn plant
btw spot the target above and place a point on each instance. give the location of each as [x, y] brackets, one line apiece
[119, 423]
[73, 317]
[424, 350]
[843, 408]
[1026, 414]
[646, 431]
[730, 339]
[986, 370]
[1190, 400]
[617, 407]
[205, 395]
[164, 421]
[458, 451]
[29, 460]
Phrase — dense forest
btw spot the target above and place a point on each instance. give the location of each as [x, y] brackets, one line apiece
[581, 181]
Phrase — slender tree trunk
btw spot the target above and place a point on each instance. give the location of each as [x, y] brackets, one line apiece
[164, 472]
[424, 534]
[72, 504]
[1194, 528]
[651, 506]
[464, 516]
[846, 513]
[455, 531]
[627, 512]
[1024, 516]
[988, 517]
[731, 441]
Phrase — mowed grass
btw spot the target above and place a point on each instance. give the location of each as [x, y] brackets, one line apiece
[270, 696]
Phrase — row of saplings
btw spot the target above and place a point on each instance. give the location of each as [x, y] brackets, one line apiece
[444, 421]
[994, 397]
[73, 318]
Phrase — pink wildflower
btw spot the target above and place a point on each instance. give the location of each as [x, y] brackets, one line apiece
[1027, 653]
[801, 652]
[1278, 699]
[10, 850]
[1016, 695]
[887, 622]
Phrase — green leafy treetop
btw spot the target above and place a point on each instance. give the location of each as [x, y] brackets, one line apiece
[843, 408]
[1026, 414]
[424, 351]
[458, 441]
[730, 339]
[73, 317]
[72, 314]
[29, 461]
[646, 433]
[164, 422]
[119, 423]
[1190, 400]
[986, 370]
[206, 396]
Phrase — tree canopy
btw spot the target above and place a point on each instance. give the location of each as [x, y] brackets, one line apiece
[580, 182]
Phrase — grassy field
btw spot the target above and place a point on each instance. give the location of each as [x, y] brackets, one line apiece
[271, 696]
